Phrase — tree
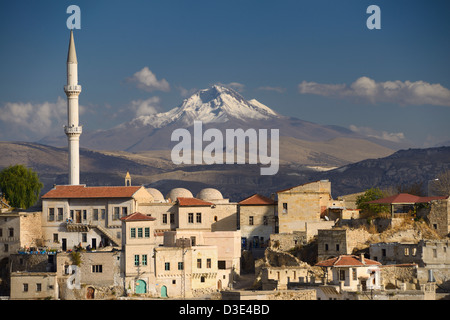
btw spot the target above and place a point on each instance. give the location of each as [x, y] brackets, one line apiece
[370, 195]
[441, 185]
[20, 186]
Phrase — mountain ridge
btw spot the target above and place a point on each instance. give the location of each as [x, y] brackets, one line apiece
[217, 107]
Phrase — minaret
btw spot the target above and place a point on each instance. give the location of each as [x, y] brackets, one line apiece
[73, 130]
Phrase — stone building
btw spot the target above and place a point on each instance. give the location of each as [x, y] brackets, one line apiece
[74, 215]
[438, 216]
[19, 229]
[310, 205]
[426, 254]
[86, 275]
[189, 260]
[352, 273]
[257, 221]
[335, 242]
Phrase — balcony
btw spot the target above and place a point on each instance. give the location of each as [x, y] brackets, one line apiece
[72, 88]
[73, 130]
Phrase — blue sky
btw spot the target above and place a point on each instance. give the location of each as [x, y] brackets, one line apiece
[314, 60]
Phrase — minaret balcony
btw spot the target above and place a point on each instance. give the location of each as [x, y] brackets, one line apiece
[73, 130]
[72, 89]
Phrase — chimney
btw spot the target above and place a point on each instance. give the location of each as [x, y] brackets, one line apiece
[362, 258]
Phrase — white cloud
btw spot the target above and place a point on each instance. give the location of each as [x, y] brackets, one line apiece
[33, 121]
[239, 87]
[275, 89]
[147, 81]
[145, 107]
[186, 92]
[365, 89]
[370, 132]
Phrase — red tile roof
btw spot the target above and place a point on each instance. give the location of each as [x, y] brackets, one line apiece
[404, 198]
[81, 191]
[347, 261]
[187, 202]
[257, 199]
[137, 216]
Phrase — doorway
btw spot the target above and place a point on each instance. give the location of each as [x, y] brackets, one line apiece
[94, 243]
[78, 216]
[64, 244]
[163, 292]
[90, 294]
[141, 287]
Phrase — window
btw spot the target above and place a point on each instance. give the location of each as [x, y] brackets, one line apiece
[337, 247]
[38, 287]
[103, 211]
[202, 279]
[172, 218]
[199, 217]
[55, 237]
[116, 213]
[221, 264]
[84, 214]
[199, 263]
[326, 246]
[98, 268]
[71, 214]
[250, 220]
[25, 287]
[167, 266]
[144, 259]
[95, 214]
[180, 265]
[124, 211]
[190, 218]
[383, 252]
[342, 275]
[164, 218]
[60, 214]
[133, 233]
[147, 232]
[136, 259]
[51, 214]
[414, 251]
[11, 232]
[354, 274]
[406, 251]
[84, 237]
[285, 207]
[265, 220]
[208, 263]
[139, 232]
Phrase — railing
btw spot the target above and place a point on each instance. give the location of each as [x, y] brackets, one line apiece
[72, 88]
[73, 130]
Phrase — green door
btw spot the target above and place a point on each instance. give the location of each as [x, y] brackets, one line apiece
[141, 286]
[163, 292]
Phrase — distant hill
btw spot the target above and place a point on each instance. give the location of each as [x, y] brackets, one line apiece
[404, 167]
[155, 169]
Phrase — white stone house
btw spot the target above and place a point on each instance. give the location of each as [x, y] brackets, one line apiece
[352, 273]
[88, 216]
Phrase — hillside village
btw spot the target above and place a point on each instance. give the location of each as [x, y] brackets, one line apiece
[132, 242]
[129, 241]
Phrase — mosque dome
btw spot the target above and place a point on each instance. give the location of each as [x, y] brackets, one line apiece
[209, 194]
[156, 194]
[179, 192]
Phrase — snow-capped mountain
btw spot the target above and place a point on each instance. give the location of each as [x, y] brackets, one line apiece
[223, 108]
[216, 104]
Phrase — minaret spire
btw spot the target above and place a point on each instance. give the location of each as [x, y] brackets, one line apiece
[73, 130]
